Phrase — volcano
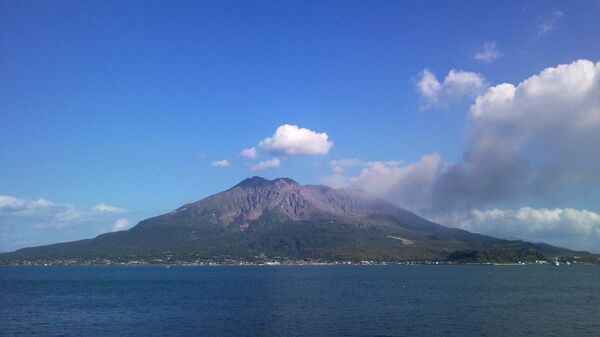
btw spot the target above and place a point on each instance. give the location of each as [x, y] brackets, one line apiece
[280, 219]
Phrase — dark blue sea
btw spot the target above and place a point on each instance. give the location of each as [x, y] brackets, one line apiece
[300, 301]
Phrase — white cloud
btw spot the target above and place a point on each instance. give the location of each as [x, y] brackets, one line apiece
[428, 85]
[50, 214]
[249, 152]
[220, 163]
[489, 53]
[69, 215]
[456, 85]
[267, 164]
[548, 22]
[459, 82]
[536, 140]
[566, 227]
[291, 140]
[36, 222]
[14, 205]
[120, 224]
[104, 208]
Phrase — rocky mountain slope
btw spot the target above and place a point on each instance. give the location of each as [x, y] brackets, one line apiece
[281, 219]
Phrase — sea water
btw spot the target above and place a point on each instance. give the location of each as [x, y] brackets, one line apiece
[300, 301]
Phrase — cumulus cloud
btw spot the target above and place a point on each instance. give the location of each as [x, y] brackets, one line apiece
[456, 85]
[489, 53]
[548, 22]
[532, 141]
[249, 152]
[538, 137]
[266, 164]
[566, 227]
[288, 140]
[121, 224]
[220, 163]
[536, 140]
[291, 140]
[34, 222]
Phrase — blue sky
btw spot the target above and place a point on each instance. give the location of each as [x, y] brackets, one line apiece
[128, 105]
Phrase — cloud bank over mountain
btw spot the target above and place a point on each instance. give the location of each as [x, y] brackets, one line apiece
[533, 138]
[537, 139]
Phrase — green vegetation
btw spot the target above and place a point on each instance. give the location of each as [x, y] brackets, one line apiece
[280, 220]
[497, 256]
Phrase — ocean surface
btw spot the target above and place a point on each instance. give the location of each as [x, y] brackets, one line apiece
[300, 301]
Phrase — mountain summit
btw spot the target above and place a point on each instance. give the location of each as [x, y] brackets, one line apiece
[250, 201]
[281, 219]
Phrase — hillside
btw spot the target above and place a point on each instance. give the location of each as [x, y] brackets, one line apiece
[281, 219]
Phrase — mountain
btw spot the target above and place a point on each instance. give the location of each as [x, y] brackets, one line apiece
[281, 219]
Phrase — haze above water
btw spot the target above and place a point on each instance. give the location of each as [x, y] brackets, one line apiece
[300, 301]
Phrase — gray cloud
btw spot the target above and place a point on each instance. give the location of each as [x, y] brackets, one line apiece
[534, 141]
[409, 185]
[536, 138]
